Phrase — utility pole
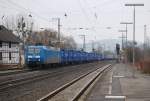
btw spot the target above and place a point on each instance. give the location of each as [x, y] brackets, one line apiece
[58, 24]
[59, 30]
[145, 45]
[122, 37]
[126, 23]
[145, 35]
[133, 5]
[84, 46]
[93, 46]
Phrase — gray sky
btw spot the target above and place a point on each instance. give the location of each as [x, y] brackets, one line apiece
[96, 15]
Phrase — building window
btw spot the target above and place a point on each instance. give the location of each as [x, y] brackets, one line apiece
[0, 44]
[9, 55]
[0, 55]
[9, 44]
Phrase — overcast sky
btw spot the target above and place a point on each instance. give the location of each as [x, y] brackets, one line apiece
[93, 15]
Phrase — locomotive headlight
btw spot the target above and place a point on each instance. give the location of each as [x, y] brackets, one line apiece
[37, 56]
[29, 56]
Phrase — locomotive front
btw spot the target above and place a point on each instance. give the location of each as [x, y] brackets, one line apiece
[33, 55]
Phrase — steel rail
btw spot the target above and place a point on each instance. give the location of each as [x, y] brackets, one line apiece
[62, 88]
[12, 83]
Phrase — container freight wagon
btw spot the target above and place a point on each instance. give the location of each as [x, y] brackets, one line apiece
[73, 56]
[109, 57]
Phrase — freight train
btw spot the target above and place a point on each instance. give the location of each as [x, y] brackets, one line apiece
[46, 55]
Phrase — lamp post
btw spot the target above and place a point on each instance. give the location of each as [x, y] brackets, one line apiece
[133, 5]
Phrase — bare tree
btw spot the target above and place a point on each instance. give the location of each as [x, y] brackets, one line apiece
[69, 43]
[20, 25]
[49, 37]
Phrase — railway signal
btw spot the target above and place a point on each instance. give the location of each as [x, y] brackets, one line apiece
[118, 49]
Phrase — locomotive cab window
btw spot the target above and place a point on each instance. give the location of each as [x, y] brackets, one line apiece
[0, 44]
[0, 55]
[31, 50]
[34, 50]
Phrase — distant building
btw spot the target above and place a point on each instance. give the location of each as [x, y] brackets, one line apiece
[9, 47]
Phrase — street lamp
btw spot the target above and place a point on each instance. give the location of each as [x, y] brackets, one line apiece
[134, 28]
[126, 23]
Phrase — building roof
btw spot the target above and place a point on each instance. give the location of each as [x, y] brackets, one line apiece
[7, 35]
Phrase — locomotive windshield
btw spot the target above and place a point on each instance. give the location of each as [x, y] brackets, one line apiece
[33, 50]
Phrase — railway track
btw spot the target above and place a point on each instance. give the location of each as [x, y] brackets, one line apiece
[73, 90]
[16, 82]
[13, 72]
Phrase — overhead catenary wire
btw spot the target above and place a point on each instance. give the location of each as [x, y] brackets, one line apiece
[17, 7]
[84, 12]
[86, 15]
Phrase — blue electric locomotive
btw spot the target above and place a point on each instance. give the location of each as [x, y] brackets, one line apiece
[41, 55]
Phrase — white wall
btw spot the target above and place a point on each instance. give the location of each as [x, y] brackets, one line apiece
[5, 53]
